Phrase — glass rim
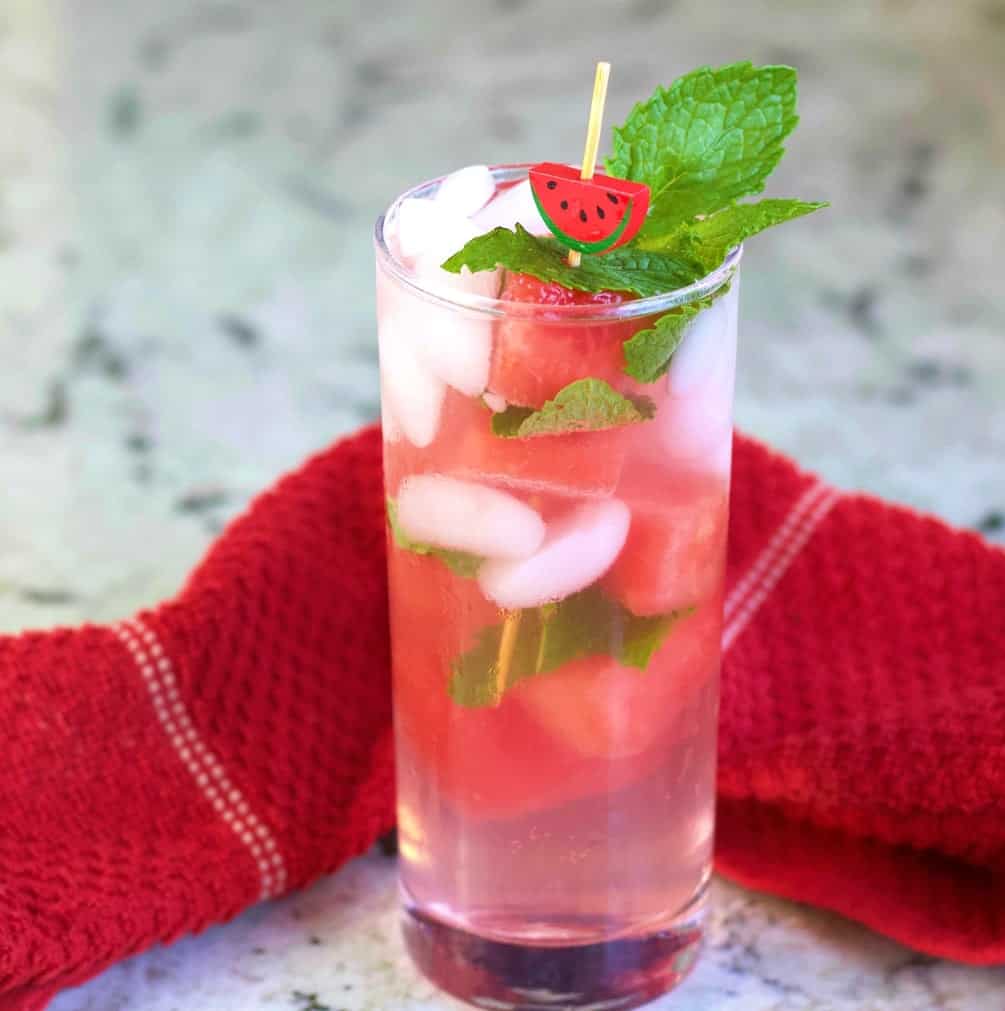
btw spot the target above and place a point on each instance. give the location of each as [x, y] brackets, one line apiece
[492, 305]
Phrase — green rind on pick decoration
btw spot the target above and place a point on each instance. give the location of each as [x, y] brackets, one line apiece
[600, 246]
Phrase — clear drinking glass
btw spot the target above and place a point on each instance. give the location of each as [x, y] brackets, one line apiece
[555, 799]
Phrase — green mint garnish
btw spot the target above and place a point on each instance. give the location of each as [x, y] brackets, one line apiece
[708, 241]
[587, 405]
[586, 624]
[642, 272]
[648, 353]
[459, 562]
[710, 138]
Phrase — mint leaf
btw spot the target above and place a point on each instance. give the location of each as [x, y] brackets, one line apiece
[642, 272]
[586, 405]
[646, 271]
[506, 424]
[514, 250]
[585, 624]
[459, 562]
[647, 635]
[708, 139]
[709, 240]
[648, 353]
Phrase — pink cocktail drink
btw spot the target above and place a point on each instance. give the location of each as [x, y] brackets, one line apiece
[556, 585]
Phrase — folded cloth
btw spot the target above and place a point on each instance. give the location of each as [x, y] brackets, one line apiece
[166, 772]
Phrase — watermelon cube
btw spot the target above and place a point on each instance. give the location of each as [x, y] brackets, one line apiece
[601, 709]
[676, 549]
[535, 358]
[579, 464]
[489, 762]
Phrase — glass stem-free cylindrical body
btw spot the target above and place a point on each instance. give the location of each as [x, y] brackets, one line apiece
[556, 608]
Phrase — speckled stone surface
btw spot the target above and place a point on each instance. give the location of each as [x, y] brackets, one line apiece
[187, 192]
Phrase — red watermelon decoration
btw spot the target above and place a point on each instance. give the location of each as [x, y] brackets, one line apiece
[592, 215]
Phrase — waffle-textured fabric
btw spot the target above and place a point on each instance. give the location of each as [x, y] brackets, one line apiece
[164, 773]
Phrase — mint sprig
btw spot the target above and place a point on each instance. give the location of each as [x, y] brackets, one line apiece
[708, 139]
[586, 405]
[588, 623]
[460, 562]
[700, 144]
[648, 352]
[709, 240]
[639, 271]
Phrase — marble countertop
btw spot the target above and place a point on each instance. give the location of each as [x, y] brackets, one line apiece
[186, 310]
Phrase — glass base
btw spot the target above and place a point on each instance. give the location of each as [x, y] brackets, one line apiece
[606, 976]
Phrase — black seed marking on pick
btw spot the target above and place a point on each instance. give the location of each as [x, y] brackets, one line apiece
[551, 184]
[564, 205]
[613, 199]
[582, 216]
[601, 213]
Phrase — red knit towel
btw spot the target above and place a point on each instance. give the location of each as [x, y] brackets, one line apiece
[163, 774]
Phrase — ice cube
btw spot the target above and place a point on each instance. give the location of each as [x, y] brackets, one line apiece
[705, 343]
[452, 343]
[693, 423]
[578, 549]
[465, 516]
[513, 204]
[417, 221]
[466, 191]
[414, 395]
[696, 429]
[389, 426]
[427, 233]
[449, 343]
[455, 348]
[444, 282]
[452, 233]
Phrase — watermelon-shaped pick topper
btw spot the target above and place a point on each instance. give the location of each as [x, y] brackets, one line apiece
[592, 215]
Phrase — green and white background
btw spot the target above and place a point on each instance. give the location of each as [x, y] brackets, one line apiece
[187, 192]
